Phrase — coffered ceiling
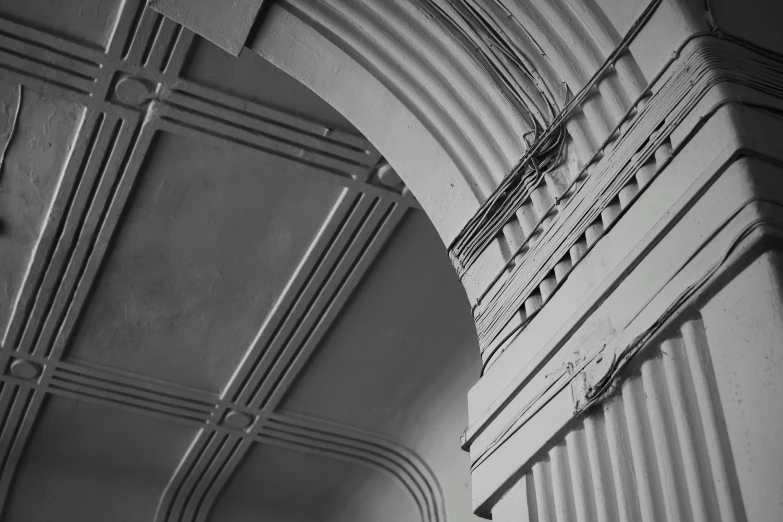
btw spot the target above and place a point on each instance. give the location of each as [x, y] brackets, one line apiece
[217, 302]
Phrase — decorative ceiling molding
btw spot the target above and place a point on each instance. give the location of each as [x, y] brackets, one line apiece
[141, 78]
[354, 233]
[123, 95]
[308, 434]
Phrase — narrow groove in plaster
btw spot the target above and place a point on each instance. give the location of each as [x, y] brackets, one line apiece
[203, 474]
[11, 391]
[134, 26]
[140, 36]
[192, 397]
[80, 385]
[350, 272]
[49, 65]
[21, 404]
[164, 42]
[14, 35]
[166, 60]
[46, 80]
[168, 502]
[179, 53]
[152, 40]
[82, 218]
[312, 426]
[251, 145]
[64, 389]
[20, 321]
[309, 309]
[261, 133]
[208, 98]
[241, 389]
[40, 261]
[396, 213]
[212, 480]
[123, 174]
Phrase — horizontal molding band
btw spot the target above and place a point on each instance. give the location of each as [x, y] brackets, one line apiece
[734, 148]
[753, 226]
[705, 61]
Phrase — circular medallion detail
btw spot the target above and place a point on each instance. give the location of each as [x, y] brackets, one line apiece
[238, 420]
[25, 369]
[133, 91]
[388, 176]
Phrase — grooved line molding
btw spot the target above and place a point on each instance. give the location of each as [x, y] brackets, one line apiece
[323, 438]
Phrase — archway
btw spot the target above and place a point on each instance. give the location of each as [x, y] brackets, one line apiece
[568, 319]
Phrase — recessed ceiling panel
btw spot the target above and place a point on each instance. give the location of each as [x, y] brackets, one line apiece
[398, 342]
[209, 241]
[86, 21]
[253, 78]
[288, 485]
[36, 136]
[94, 464]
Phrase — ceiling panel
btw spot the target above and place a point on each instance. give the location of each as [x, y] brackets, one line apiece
[92, 463]
[85, 21]
[208, 242]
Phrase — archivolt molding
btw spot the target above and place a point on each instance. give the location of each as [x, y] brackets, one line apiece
[434, 76]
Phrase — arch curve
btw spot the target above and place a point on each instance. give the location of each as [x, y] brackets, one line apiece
[447, 130]
[413, 85]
